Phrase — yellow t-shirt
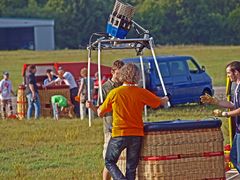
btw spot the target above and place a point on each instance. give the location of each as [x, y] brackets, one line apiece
[127, 103]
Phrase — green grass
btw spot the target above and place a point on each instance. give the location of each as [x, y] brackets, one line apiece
[47, 149]
[69, 149]
[214, 58]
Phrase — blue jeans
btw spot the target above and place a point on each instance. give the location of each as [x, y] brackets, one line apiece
[235, 152]
[33, 104]
[115, 146]
[55, 111]
[73, 93]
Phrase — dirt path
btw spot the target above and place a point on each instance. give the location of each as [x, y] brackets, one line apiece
[220, 92]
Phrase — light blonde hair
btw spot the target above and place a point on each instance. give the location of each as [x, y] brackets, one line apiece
[130, 73]
[83, 72]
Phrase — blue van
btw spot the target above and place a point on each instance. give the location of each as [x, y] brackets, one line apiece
[184, 79]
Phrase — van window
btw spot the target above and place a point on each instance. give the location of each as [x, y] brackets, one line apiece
[192, 65]
[146, 67]
[177, 68]
[163, 69]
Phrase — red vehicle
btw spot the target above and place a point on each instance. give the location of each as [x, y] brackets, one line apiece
[73, 67]
[46, 93]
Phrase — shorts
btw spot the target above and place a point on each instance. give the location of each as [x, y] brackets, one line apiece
[107, 137]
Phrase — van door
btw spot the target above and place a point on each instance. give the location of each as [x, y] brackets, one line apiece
[181, 82]
[156, 84]
[197, 79]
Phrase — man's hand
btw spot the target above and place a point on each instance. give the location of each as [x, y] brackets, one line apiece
[89, 104]
[217, 112]
[207, 99]
[164, 100]
[220, 113]
[99, 113]
[33, 96]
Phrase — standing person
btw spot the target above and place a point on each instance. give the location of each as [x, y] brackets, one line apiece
[32, 93]
[69, 80]
[50, 77]
[233, 72]
[82, 92]
[59, 102]
[5, 95]
[127, 103]
[107, 119]
[96, 88]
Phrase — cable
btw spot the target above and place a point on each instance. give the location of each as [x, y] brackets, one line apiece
[99, 34]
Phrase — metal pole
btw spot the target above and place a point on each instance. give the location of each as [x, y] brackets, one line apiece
[144, 85]
[99, 72]
[158, 70]
[89, 90]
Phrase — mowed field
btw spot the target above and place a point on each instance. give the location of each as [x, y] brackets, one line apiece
[69, 149]
[214, 58]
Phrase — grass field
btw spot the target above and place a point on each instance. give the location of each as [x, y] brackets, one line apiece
[69, 149]
[214, 58]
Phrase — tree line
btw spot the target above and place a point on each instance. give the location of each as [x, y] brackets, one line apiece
[207, 22]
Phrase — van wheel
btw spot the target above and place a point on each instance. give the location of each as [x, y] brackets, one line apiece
[206, 91]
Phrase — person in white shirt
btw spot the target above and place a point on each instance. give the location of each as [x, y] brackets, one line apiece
[5, 94]
[69, 80]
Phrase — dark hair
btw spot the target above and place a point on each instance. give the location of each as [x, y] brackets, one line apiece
[31, 67]
[118, 64]
[48, 71]
[234, 66]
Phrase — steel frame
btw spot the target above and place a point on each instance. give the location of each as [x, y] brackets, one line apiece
[139, 44]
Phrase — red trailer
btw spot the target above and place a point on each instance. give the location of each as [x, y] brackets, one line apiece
[46, 93]
[73, 67]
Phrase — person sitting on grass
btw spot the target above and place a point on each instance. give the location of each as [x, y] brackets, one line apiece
[59, 102]
[126, 103]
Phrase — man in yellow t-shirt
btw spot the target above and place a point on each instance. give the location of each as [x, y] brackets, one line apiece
[127, 103]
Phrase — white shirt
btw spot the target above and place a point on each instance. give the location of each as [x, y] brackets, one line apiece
[5, 89]
[68, 80]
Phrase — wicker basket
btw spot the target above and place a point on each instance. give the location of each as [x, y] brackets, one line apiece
[46, 112]
[180, 155]
[45, 98]
[123, 9]
[46, 94]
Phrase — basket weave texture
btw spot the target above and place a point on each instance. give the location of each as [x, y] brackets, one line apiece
[45, 99]
[180, 155]
[123, 9]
